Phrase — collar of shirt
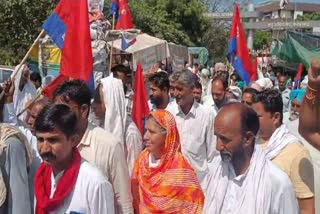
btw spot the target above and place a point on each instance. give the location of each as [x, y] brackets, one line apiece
[240, 178]
[191, 113]
[85, 141]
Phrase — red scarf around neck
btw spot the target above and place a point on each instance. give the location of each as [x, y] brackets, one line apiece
[42, 185]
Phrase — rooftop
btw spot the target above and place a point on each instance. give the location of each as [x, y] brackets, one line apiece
[305, 7]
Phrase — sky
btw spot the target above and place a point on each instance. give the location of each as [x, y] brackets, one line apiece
[291, 1]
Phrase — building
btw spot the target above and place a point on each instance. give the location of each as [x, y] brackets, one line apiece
[270, 9]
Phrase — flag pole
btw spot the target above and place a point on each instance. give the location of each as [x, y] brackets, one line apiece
[113, 25]
[30, 104]
[25, 58]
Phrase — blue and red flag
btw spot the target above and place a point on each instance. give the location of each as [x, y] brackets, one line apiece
[298, 76]
[125, 44]
[140, 108]
[238, 53]
[68, 27]
[114, 8]
[124, 21]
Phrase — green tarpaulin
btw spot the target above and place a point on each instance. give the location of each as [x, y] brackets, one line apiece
[202, 52]
[298, 47]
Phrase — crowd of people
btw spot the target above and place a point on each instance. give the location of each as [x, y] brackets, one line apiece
[211, 145]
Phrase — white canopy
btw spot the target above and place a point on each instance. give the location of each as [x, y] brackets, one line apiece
[147, 50]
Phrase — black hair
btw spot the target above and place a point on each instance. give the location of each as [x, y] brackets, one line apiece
[74, 90]
[196, 64]
[198, 85]
[96, 95]
[161, 80]
[34, 76]
[251, 91]
[271, 99]
[57, 116]
[119, 68]
[249, 120]
[222, 79]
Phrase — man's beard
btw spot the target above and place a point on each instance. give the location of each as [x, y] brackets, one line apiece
[156, 100]
[226, 156]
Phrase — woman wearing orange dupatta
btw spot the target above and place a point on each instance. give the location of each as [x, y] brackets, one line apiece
[162, 180]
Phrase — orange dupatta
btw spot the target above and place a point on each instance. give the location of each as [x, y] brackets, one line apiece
[172, 186]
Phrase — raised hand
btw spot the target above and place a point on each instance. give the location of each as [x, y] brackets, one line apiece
[314, 75]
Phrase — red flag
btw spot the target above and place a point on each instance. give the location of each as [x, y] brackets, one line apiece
[140, 108]
[68, 26]
[298, 76]
[238, 53]
[49, 89]
[125, 21]
[253, 77]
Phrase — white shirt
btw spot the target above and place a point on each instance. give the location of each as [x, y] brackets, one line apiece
[197, 139]
[208, 102]
[171, 105]
[262, 189]
[92, 193]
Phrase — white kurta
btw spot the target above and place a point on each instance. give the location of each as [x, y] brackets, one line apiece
[171, 105]
[197, 139]
[262, 189]
[92, 193]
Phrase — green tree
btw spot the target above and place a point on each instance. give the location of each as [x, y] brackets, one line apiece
[309, 17]
[261, 38]
[20, 23]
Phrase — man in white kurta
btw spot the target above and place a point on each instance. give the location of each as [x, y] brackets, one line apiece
[24, 90]
[109, 106]
[64, 182]
[92, 192]
[97, 145]
[194, 123]
[241, 180]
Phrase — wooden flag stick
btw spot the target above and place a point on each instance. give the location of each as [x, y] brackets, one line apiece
[24, 58]
[113, 25]
[30, 104]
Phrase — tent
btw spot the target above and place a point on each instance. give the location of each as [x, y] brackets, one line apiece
[178, 55]
[297, 47]
[147, 50]
[200, 52]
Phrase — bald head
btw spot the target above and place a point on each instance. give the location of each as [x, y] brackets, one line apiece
[239, 116]
[38, 105]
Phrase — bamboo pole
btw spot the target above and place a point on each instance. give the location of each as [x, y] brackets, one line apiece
[113, 26]
[30, 104]
[24, 58]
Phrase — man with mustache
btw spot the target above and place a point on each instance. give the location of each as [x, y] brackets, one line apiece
[159, 92]
[100, 147]
[242, 180]
[283, 148]
[65, 182]
[194, 123]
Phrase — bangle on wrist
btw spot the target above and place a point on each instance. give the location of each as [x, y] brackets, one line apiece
[311, 94]
[311, 89]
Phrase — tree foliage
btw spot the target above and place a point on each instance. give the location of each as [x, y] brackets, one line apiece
[20, 23]
[309, 17]
[261, 38]
[178, 21]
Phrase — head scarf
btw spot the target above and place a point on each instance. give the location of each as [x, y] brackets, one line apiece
[114, 101]
[21, 98]
[236, 91]
[297, 94]
[262, 84]
[219, 66]
[172, 186]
